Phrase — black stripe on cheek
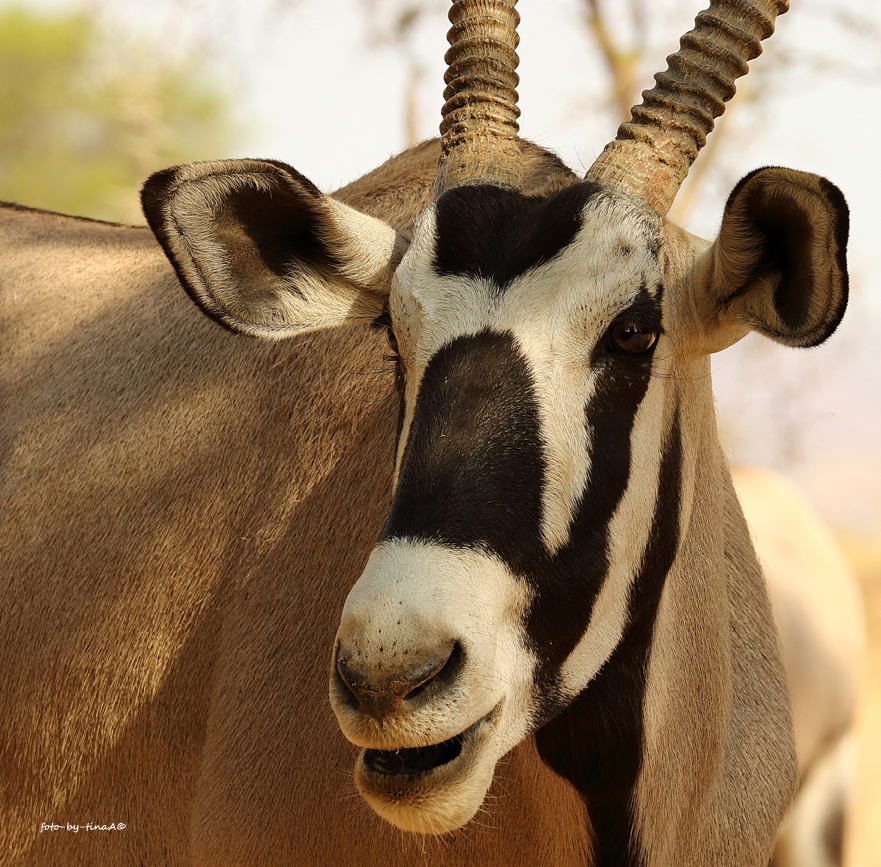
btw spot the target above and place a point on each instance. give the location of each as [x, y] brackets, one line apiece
[569, 582]
[473, 465]
[597, 742]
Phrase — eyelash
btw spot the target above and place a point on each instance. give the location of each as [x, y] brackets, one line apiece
[384, 321]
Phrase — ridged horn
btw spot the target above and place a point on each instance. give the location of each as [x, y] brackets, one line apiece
[479, 141]
[655, 149]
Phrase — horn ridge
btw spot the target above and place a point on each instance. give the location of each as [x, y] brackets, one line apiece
[479, 129]
[654, 150]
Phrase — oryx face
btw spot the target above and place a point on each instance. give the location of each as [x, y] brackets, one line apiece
[531, 340]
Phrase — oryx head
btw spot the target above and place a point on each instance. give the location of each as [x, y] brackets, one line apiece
[548, 348]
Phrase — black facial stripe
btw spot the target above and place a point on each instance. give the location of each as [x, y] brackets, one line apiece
[473, 466]
[597, 742]
[572, 578]
[495, 234]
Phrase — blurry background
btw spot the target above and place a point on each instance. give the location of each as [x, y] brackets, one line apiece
[94, 96]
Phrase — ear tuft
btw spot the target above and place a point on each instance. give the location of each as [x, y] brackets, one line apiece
[780, 260]
[262, 251]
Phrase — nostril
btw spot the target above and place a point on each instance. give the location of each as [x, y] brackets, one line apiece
[344, 690]
[418, 690]
[442, 674]
[361, 686]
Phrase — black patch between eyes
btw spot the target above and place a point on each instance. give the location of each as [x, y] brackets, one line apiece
[495, 234]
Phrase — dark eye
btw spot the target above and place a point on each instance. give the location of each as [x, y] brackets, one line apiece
[392, 340]
[632, 336]
[384, 321]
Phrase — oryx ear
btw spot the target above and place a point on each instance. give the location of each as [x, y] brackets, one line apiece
[262, 251]
[779, 264]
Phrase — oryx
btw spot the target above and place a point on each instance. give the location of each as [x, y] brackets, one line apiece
[564, 581]
[564, 555]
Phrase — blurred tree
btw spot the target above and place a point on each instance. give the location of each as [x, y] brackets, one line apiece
[83, 121]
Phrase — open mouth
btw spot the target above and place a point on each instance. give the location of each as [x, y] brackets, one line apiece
[419, 760]
[415, 760]
[431, 789]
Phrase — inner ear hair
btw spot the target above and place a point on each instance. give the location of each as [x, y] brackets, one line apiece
[262, 251]
[780, 263]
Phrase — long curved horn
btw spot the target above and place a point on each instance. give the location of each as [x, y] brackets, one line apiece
[479, 142]
[655, 149]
